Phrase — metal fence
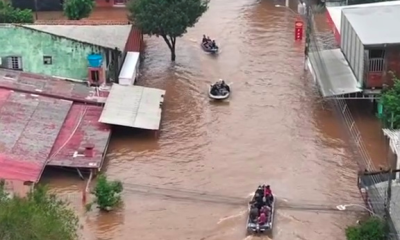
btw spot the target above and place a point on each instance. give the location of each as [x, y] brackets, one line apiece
[374, 188]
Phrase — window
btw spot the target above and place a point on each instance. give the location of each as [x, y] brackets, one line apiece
[14, 63]
[376, 53]
[376, 60]
[94, 76]
[47, 60]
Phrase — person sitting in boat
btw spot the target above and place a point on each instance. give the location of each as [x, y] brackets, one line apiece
[254, 213]
[265, 209]
[259, 201]
[204, 41]
[213, 45]
[215, 88]
[208, 39]
[260, 190]
[262, 219]
[268, 195]
[222, 84]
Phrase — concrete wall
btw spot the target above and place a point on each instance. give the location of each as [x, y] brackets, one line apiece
[69, 57]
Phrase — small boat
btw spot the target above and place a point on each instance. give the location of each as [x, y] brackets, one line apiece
[208, 49]
[219, 94]
[253, 227]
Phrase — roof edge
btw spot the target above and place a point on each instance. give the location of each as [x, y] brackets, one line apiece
[26, 26]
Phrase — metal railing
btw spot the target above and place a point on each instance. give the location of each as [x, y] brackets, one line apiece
[376, 65]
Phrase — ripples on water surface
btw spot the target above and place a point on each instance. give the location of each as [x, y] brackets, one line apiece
[273, 130]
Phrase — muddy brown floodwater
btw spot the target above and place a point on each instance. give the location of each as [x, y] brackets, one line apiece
[273, 130]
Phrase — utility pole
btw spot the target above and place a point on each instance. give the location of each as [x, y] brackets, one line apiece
[388, 194]
[308, 31]
[36, 10]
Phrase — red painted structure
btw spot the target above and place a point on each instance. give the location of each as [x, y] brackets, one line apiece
[298, 30]
[81, 128]
[37, 130]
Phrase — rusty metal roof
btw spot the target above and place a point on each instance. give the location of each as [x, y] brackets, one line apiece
[29, 125]
[133, 106]
[81, 127]
[48, 86]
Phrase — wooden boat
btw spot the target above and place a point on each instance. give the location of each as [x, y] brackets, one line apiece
[223, 93]
[208, 49]
[253, 227]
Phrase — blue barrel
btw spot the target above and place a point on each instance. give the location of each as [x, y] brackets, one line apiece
[95, 60]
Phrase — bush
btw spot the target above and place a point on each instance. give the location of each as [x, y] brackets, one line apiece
[107, 193]
[390, 101]
[39, 216]
[8, 14]
[373, 228]
[78, 9]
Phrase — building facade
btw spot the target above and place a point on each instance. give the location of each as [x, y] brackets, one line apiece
[63, 51]
[371, 48]
[57, 5]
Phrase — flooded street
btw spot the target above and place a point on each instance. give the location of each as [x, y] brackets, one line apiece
[273, 130]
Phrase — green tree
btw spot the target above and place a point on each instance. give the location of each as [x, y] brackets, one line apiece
[107, 193]
[166, 18]
[8, 14]
[390, 100]
[39, 216]
[373, 228]
[78, 9]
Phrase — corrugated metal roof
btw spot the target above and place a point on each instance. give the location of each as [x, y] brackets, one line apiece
[336, 12]
[108, 36]
[339, 79]
[18, 168]
[373, 24]
[81, 127]
[29, 125]
[133, 106]
[48, 86]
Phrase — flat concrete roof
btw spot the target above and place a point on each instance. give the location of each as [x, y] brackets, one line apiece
[133, 106]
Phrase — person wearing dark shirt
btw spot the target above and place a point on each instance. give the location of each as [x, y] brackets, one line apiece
[204, 39]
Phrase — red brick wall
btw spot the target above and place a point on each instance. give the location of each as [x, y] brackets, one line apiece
[374, 80]
[135, 41]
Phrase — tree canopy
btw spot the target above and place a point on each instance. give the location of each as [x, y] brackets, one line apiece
[78, 9]
[373, 228]
[166, 18]
[390, 100]
[8, 14]
[39, 216]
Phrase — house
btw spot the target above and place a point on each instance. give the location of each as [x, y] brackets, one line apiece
[62, 51]
[370, 46]
[57, 5]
